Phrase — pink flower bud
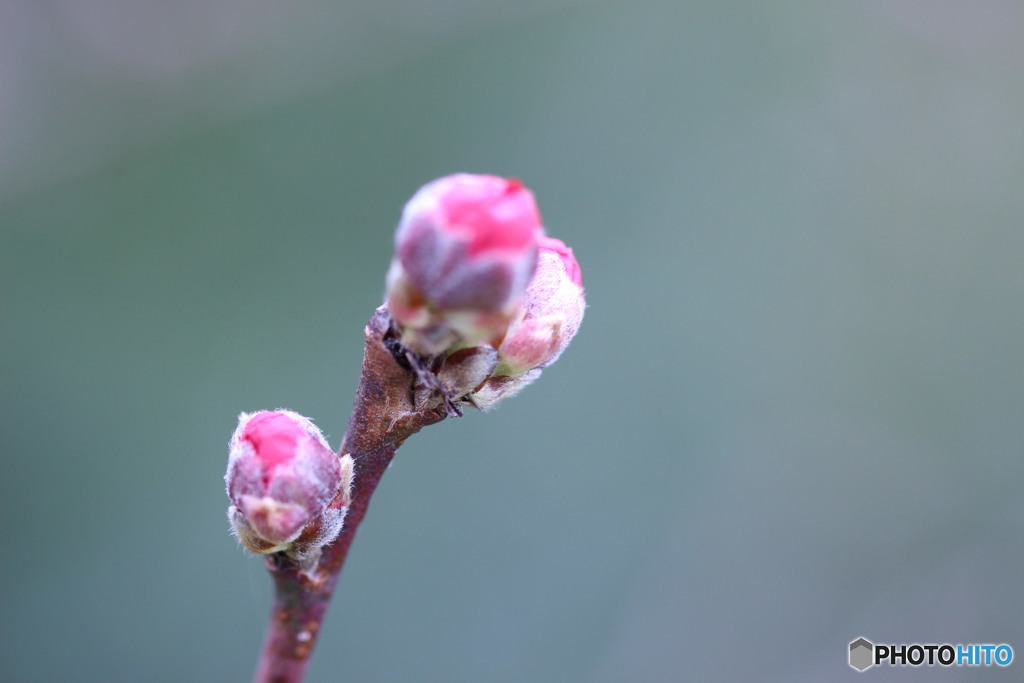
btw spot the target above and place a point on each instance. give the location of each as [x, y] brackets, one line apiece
[289, 491]
[549, 315]
[465, 250]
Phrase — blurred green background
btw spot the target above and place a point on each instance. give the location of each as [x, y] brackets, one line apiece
[792, 417]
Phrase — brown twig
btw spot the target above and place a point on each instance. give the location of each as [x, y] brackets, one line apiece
[383, 417]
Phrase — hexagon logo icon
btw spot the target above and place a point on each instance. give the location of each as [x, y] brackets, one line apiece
[862, 654]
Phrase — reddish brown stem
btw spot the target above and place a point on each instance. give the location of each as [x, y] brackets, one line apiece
[382, 418]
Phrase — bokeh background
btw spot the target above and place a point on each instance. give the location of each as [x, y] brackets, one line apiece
[793, 415]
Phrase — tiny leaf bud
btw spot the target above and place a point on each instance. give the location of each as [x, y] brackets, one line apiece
[466, 369]
[500, 387]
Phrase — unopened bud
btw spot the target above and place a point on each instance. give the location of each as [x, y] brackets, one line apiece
[550, 313]
[465, 251]
[289, 491]
[547, 319]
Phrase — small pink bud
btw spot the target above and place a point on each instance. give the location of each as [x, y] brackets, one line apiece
[465, 250]
[549, 315]
[547, 319]
[289, 491]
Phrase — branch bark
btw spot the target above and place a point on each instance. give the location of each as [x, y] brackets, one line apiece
[383, 417]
